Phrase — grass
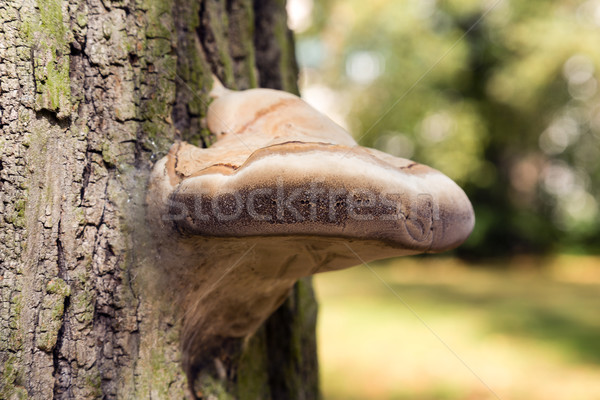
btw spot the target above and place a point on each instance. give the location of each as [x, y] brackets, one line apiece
[529, 330]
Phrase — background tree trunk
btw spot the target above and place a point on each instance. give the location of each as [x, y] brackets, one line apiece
[91, 93]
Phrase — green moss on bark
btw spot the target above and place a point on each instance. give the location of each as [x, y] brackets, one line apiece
[213, 388]
[51, 317]
[289, 75]
[15, 339]
[253, 376]
[158, 84]
[49, 38]
[219, 26]
[194, 78]
[17, 217]
[93, 381]
[241, 43]
[59, 287]
[9, 380]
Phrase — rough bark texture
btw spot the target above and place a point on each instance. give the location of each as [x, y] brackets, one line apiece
[91, 93]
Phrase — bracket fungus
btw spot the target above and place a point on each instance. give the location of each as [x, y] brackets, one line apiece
[284, 193]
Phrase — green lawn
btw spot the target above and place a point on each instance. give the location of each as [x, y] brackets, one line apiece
[531, 331]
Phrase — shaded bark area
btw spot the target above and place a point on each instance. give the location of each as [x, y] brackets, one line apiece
[276, 58]
[293, 372]
[92, 92]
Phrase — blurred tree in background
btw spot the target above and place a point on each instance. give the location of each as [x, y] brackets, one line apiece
[500, 95]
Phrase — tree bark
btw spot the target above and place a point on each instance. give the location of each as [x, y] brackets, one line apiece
[92, 92]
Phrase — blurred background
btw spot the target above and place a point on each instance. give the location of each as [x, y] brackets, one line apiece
[503, 97]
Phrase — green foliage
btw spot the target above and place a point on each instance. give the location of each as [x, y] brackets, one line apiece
[504, 100]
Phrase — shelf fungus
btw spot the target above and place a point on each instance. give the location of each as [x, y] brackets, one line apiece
[282, 194]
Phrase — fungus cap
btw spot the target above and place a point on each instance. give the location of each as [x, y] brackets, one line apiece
[279, 168]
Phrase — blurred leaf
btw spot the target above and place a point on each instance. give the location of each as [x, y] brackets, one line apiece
[484, 100]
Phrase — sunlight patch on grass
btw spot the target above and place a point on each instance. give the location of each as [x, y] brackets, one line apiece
[527, 333]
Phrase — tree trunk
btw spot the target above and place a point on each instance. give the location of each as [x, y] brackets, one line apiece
[92, 92]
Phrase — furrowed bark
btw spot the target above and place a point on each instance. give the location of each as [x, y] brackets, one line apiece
[92, 92]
